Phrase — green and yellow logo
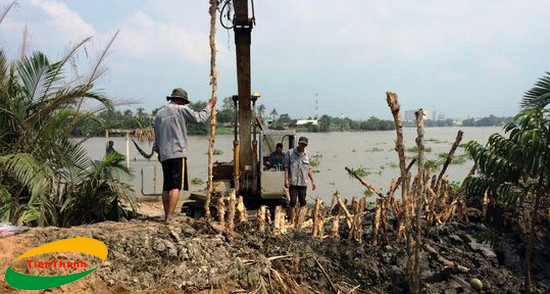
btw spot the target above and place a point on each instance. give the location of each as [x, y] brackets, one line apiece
[79, 245]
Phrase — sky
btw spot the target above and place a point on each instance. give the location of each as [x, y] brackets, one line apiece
[463, 58]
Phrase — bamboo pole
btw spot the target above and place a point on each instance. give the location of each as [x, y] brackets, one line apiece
[214, 83]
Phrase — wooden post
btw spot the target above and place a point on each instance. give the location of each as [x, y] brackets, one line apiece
[302, 213]
[335, 230]
[377, 221]
[261, 218]
[232, 208]
[243, 216]
[317, 217]
[214, 83]
[277, 226]
[128, 149]
[221, 210]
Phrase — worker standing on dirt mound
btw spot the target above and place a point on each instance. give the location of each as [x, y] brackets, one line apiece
[297, 171]
[171, 143]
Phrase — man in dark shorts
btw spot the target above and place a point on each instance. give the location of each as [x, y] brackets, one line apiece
[297, 172]
[171, 145]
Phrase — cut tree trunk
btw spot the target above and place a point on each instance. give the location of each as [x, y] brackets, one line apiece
[214, 83]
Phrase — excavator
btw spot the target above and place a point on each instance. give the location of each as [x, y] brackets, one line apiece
[253, 140]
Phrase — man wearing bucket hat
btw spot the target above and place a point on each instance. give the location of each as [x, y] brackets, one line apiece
[297, 172]
[171, 144]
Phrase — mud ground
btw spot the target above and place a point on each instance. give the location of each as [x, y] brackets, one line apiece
[146, 256]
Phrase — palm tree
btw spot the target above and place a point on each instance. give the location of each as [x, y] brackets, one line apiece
[42, 170]
[517, 168]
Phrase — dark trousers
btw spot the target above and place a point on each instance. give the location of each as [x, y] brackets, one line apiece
[297, 192]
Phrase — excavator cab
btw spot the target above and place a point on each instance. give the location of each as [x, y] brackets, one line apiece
[271, 181]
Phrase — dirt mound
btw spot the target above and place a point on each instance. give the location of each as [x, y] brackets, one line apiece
[147, 256]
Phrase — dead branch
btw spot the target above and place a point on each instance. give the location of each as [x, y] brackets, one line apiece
[446, 263]
[334, 288]
[392, 191]
[349, 218]
[449, 159]
[369, 186]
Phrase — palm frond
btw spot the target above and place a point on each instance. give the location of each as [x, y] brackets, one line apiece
[36, 73]
[97, 71]
[27, 170]
[59, 65]
[6, 10]
[539, 95]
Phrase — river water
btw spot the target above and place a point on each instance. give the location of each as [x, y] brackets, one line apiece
[373, 151]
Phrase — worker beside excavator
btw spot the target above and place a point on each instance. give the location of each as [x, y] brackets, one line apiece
[171, 143]
[297, 172]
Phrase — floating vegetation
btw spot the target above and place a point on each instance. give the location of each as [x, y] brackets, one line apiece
[316, 160]
[375, 149]
[394, 165]
[455, 185]
[361, 171]
[217, 152]
[432, 163]
[415, 149]
[197, 181]
[460, 159]
[433, 140]
[367, 192]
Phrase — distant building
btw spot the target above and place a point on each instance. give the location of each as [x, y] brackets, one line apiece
[411, 117]
[302, 122]
[433, 115]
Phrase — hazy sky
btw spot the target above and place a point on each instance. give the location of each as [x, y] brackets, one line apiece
[459, 58]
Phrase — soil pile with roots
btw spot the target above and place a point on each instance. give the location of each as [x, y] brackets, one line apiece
[189, 256]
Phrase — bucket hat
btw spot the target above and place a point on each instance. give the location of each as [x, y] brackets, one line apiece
[178, 93]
